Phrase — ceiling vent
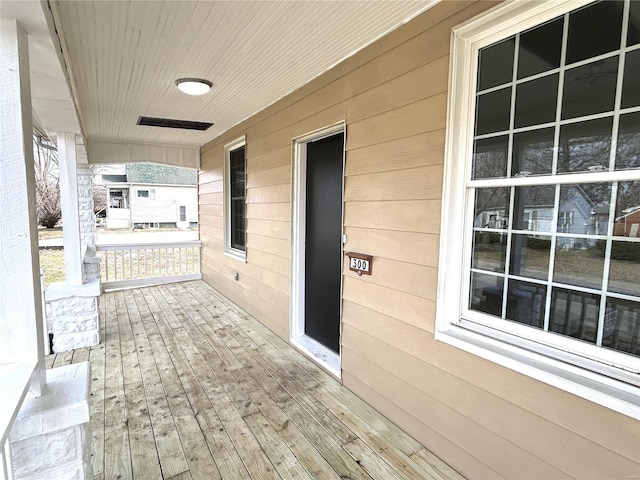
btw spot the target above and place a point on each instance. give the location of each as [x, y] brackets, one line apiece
[172, 123]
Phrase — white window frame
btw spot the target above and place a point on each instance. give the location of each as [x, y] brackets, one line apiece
[603, 384]
[228, 148]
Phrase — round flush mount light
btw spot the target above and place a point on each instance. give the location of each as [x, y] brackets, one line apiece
[193, 86]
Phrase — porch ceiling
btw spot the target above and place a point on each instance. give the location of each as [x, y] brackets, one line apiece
[124, 57]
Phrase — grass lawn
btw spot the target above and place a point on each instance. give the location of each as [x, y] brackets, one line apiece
[52, 260]
[49, 233]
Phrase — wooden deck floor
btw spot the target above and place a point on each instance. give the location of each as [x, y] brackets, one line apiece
[186, 385]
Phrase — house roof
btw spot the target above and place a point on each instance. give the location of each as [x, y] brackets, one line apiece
[152, 173]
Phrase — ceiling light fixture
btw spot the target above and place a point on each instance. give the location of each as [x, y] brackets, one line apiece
[193, 86]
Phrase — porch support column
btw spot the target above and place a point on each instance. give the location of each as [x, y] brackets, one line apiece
[21, 319]
[73, 305]
[70, 213]
[87, 223]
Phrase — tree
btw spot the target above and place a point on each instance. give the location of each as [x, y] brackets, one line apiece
[45, 156]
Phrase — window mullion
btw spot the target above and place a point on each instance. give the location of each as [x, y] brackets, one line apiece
[552, 257]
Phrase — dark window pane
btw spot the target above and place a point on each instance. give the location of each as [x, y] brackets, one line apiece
[526, 302]
[579, 261]
[624, 271]
[493, 111]
[575, 314]
[489, 251]
[628, 149]
[585, 146]
[486, 293]
[628, 210]
[584, 210]
[590, 88]
[631, 82]
[496, 64]
[533, 208]
[532, 152]
[530, 256]
[492, 208]
[594, 30]
[633, 34]
[237, 194]
[622, 326]
[540, 49]
[490, 157]
[536, 101]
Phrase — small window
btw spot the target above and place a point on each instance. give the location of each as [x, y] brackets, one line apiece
[183, 213]
[143, 193]
[234, 186]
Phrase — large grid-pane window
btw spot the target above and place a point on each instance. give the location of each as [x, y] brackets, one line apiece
[555, 180]
[539, 267]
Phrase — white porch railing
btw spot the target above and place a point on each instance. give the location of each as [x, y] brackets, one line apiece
[136, 265]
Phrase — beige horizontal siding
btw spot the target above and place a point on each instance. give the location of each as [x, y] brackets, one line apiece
[483, 419]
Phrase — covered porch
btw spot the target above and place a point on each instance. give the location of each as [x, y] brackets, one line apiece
[187, 385]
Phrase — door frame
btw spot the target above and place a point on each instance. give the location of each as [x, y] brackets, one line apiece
[324, 356]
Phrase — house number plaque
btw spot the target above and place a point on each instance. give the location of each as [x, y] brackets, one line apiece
[359, 263]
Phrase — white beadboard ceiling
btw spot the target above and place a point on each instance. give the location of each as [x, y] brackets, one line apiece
[124, 57]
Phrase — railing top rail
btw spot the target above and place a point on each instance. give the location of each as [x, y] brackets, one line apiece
[142, 246]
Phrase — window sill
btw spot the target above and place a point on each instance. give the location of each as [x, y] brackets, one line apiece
[610, 393]
[15, 379]
[241, 256]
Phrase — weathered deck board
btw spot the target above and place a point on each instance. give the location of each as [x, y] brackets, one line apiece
[186, 385]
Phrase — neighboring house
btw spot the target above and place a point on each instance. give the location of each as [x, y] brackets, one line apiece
[627, 225]
[151, 196]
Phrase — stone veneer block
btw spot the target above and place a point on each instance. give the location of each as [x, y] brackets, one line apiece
[91, 267]
[50, 438]
[74, 316]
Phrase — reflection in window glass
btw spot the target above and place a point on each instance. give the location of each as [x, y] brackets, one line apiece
[594, 30]
[579, 261]
[584, 209]
[628, 149]
[493, 111]
[536, 101]
[489, 251]
[532, 152]
[486, 293]
[526, 303]
[492, 208]
[631, 82]
[530, 256]
[585, 146]
[533, 208]
[515, 273]
[540, 49]
[633, 33]
[624, 270]
[622, 326]
[496, 64]
[490, 157]
[575, 314]
[590, 88]
[627, 221]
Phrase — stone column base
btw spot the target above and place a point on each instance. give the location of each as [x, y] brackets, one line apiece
[50, 437]
[74, 316]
